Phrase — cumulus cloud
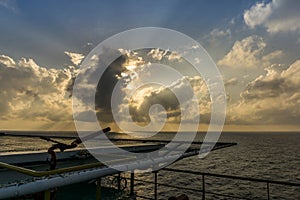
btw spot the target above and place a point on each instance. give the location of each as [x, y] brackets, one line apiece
[76, 58]
[42, 95]
[272, 98]
[249, 53]
[140, 104]
[130, 69]
[31, 92]
[276, 16]
[139, 67]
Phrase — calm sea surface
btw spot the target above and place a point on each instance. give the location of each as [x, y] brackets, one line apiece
[274, 156]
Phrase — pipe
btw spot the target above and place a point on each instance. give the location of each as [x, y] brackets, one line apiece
[52, 182]
[35, 173]
[76, 177]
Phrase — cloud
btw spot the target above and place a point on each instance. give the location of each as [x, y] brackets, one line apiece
[276, 16]
[272, 98]
[249, 53]
[140, 104]
[138, 67]
[129, 67]
[105, 88]
[105, 85]
[31, 92]
[39, 95]
[217, 33]
[76, 58]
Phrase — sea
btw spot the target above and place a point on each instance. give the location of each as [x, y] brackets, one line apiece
[262, 155]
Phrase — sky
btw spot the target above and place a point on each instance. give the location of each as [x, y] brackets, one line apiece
[255, 45]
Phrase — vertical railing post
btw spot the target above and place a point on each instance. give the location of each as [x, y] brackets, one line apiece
[119, 181]
[268, 189]
[203, 187]
[155, 185]
[131, 183]
[47, 195]
[98, 189]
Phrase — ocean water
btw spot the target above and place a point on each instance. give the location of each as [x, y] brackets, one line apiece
[273, 156]
[267, 155]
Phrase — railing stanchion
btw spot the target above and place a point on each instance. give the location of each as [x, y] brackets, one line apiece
[47, 195]
[268, 189]
[131, 183]
[203, 187]
[119, 181]
[155, 185]
[98, 189]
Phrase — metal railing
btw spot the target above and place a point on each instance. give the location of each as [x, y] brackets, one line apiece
[203, 186]
[156, 183]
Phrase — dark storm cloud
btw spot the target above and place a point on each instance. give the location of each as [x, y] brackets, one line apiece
[107, 84]
[90, 75]
[105, 89]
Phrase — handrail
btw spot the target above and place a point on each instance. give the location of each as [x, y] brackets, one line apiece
[167, 141]
[35, 173]
[233, 177]
[203, 190]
